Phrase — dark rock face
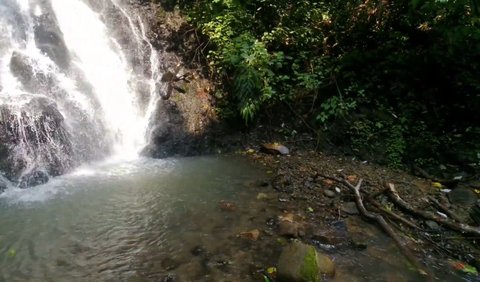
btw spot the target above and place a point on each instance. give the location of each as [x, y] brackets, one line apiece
[49, 37]
[32, 139]
[33, 178]
[3, 184]
[33, 81]
[168, 137]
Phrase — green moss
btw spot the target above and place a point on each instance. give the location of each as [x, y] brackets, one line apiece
[309, 269]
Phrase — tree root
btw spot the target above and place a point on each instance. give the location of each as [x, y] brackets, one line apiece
[460, 227]
[381, 221]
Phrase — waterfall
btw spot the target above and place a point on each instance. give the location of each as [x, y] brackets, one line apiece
[77, 84]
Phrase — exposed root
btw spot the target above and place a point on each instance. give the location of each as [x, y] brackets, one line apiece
[381, 221]
[460, 227]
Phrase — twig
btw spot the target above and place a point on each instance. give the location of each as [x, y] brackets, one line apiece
[381, 221]
[460, 227]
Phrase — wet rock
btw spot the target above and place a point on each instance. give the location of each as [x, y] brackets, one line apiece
[359, 240]
[462, 196]
[432, 225]
[197, 251]
[3, 184]
[475, 213]
[300, 262]
[251, 235]
[262, 196]
[360, 233]
[329, 193]
[33, 133]
[350, 208]
[33, 178]
[49, 37]
[274, 149]
[329, 237]
[168, 136]
[169, 264]
[289, 226]
[227, 206]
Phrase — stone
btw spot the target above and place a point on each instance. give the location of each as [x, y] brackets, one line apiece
[350, 208]
[262, 196]
[169, 264]
[49, 38]
[34, 178]
[3, 184]
[359, 240]
[289, 226]
[300, 262]
[329, 193]
[275, 149]
[227, 206]
[33, 131]
[197, 250]
[432, 225]
[462, 196]
[329, 237]
[251, 235]
[475, 213]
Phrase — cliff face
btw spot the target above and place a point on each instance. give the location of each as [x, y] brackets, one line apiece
[185, 117]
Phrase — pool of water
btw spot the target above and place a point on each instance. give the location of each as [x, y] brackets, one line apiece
[159, 220]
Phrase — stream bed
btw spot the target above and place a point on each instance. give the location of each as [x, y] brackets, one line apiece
[160, 220]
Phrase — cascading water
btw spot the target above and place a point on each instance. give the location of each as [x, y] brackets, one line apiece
[72, 89]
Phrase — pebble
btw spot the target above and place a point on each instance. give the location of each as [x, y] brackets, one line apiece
[350, 208]
[329, 193]
[432, 224]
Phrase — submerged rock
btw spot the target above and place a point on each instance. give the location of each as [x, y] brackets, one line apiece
[33, 178]
[300, 262]
[290, 226]
[227, 206]
[3, 184]
[251, 235]
[350, 208]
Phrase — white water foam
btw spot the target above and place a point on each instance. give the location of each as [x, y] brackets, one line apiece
[106, 69]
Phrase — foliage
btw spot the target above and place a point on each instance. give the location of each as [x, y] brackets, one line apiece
[400, 74]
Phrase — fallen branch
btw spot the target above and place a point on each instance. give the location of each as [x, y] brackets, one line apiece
[394, 215]
[446, 210]
[381, 221]
[460, 227]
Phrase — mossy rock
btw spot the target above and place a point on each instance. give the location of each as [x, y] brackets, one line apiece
[303, 263]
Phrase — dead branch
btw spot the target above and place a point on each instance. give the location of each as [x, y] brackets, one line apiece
[460, 227]
[394, 215]
[381, 221]
[446, 210]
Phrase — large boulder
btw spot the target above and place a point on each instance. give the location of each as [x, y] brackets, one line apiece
[33, 138]
[33, 178]
[300, 262]
[3, 184]
[34, 80]
[168, 136]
